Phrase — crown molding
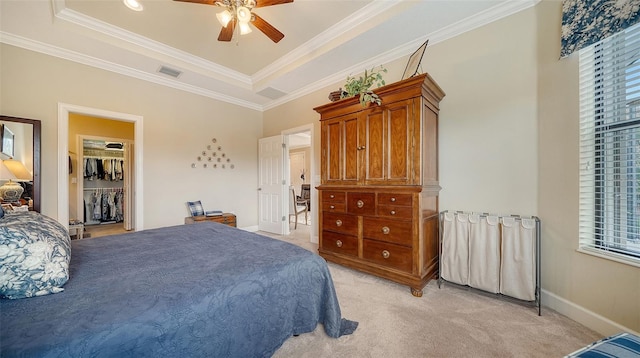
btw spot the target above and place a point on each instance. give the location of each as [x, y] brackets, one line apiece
[501, 10]
[63, 13]
[73, 56]
[343, 27]
[497, 12]
[494, 13]
[348, 24]
[383, 58]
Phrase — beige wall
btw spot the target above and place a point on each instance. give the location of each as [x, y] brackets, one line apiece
[576, 281]
[488, 134]
[177, 126]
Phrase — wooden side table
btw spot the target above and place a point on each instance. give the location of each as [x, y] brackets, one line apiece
[226, 218]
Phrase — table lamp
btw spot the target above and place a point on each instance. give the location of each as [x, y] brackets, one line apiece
[11, 170]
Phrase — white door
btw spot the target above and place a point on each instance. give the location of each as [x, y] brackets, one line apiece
[272, 186]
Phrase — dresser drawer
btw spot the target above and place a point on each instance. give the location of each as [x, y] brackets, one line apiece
[361, 203]
[395, 199]
[334, 207]
[395, 231]
[387, 254]
[400, 212]
[339, 222]
[339, 243]
[337, 197]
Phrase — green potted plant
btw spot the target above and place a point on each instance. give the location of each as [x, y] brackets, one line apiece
[362, 86]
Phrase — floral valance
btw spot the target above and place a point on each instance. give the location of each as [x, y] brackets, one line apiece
[585, 22]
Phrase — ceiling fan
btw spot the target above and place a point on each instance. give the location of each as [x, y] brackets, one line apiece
[240, 12]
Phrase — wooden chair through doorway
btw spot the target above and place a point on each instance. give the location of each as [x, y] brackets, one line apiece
[305, 194]
[296, 207]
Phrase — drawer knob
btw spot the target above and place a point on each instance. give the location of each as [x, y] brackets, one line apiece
[332, 196]
[360, 204]
[332, 207]
[385, 254]
[339, 243]
[393, 212]
[338, 222]
[393, 199]
[385, 230]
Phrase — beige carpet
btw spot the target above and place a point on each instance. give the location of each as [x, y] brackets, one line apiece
[445, 322]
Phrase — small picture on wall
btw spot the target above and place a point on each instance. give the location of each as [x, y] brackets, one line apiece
[414, 62]
[6, 146]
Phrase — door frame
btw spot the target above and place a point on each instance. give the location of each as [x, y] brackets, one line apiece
[313, 237]
[64, 109]
[80, 179]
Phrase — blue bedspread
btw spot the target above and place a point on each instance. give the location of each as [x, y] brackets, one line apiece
[202, 290]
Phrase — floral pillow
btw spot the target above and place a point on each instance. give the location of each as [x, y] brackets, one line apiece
[35, 251]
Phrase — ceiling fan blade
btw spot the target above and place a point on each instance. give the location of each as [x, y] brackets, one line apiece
[267, 29]
[207, 2]
[263, 3]
[226, 33]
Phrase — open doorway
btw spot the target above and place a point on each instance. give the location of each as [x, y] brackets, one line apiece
[100, 187]
[100, 173]
[68, 140]
[300, 165]
[300, 173]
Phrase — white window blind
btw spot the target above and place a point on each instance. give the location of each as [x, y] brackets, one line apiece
[610, 147]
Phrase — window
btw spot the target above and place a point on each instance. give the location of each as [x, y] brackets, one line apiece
[610, 147]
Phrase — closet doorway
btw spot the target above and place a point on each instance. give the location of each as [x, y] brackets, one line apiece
[101, 175]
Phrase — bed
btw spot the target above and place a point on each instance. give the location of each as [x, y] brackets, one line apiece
[204, 290]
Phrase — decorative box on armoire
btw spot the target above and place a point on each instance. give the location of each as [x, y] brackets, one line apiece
[378, 196]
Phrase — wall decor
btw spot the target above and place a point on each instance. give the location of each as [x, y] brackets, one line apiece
[414, 61]
[212, 154]
[6, 146]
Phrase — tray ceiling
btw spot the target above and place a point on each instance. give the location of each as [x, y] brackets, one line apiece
[325, 40]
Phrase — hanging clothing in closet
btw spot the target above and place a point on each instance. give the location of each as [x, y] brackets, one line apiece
[104, 205]
[104, 169]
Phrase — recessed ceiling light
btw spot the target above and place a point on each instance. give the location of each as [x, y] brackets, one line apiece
[133, 5]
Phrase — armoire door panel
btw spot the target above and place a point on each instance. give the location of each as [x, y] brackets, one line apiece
[350, 149]
[430, 145]
[400, 131]
[332, 151]
[373, 132]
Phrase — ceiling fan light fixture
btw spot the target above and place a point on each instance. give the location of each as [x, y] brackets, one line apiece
[133, 5]
[244, 28]
[224, 17]
[244, 14]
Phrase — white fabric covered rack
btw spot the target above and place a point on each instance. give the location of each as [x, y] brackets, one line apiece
[494, 253]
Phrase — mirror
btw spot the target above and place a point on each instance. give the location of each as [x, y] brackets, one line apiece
[25, 149]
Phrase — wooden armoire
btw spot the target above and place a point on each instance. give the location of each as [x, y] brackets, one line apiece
[378, 206]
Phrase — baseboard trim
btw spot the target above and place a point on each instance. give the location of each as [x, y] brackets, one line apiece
[590, 319]
[249, 228]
